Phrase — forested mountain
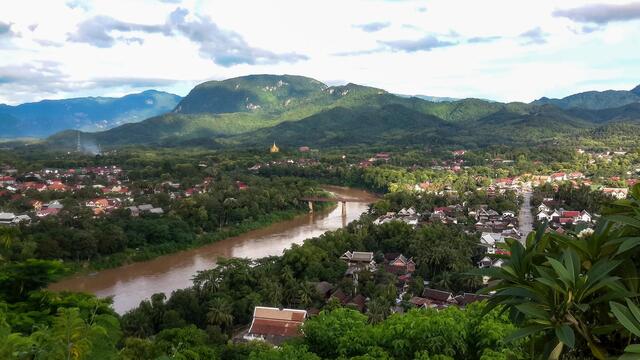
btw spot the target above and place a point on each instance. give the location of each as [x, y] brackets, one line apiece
[256, 110]
[47, 117]
[595, 100]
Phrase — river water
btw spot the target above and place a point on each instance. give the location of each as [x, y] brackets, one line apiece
[130, 284]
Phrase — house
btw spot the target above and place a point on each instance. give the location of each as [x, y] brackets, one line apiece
[490, 241]
[487, 262]
[304, 149]
[543, 216]
[616, 193]
[134, 210]
[47, 212]
[7, 218]
[241, 186]
[559, 176]
[30, 185]
[420, 302]
[468, 298]
[274, 325]
[7, 180]
[570, 214]
[54, 204]
[340, 296]
[359, 259]
[484, 215]
[358, 302]
[21, 219]
[402, 265]
[157, 211]
[98, 203]
[584, 217]
[57, 186]
[145, 207]
[439, 297]
[543, 208]
[576, 175]
[324, 289]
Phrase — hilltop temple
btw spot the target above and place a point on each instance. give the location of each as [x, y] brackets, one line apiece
[274, 148]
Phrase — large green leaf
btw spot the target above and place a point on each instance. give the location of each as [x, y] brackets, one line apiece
[524, 332]
[635, 348]
[566, 335]
[572, 263]
[561, 271]
[625, 317]
[534, 311]
[624, 220]
[628, 244]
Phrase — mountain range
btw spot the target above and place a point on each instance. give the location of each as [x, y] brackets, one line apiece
[44, 118]
[257, 110]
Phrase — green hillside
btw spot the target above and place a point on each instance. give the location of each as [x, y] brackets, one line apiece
[250, 93]
[595, 100]
[256, 110]
[354, 126]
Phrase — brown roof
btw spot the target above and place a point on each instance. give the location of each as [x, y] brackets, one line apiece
[437, 295]
[341, 296]
[323, 288]
[419, 301]
[468, 298]
[276, 322]
[359, 301]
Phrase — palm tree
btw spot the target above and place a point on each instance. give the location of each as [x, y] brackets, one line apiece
[306, 293]
[378, 310]
[444, 281]
[69, 337]
[220, 313]
[8, 236]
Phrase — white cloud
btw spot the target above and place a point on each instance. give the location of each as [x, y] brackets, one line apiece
[504, 50]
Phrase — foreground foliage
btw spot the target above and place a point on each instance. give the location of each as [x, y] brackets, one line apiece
[564, 290]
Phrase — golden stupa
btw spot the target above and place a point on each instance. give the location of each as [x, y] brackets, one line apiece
[274, 148]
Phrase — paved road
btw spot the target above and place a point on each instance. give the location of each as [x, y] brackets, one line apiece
[525, 218]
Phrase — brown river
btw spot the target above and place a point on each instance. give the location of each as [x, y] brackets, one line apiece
[130, 284]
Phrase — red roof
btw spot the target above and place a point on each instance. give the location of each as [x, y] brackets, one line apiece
[570, 214]
[47, 212]
[566, 220]
[277, 322]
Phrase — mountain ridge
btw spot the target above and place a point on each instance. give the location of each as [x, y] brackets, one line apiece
[296, 110]
[46, 117]
[594, 100]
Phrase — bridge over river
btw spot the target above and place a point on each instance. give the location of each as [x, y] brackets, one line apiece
[334, 199]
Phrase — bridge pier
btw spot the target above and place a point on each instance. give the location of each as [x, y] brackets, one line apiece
[344, 208]
[311, 206]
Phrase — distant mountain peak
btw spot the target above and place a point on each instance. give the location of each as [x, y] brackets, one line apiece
[43, 118]
[636, 90]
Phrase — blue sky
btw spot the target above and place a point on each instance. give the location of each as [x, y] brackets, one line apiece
[502, 50]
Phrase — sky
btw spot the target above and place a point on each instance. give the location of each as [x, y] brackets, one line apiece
[500, 50]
